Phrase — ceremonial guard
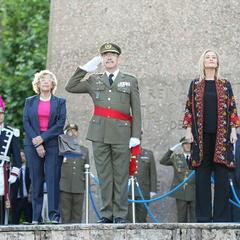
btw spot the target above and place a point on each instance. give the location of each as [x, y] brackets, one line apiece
[114, 128]
[9, 147]
[72, 182]
[185, 196]
[147, 179]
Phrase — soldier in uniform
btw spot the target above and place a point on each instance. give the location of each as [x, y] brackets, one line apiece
[72, 182]
[147, 179]
[185, 196]
[9, 146]
[114, 128]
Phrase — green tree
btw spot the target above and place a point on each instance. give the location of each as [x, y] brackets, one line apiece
[23, 51]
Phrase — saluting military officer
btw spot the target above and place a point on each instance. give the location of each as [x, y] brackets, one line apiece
[72, 182]
[114, 128]
[185, 196]
[147, 179]
[9, 146]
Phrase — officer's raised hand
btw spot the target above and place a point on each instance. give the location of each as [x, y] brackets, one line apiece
[91, 65]
[176, 146]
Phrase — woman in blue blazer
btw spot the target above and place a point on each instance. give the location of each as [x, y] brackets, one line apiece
[43, 119]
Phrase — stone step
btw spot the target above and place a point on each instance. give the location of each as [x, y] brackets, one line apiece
[148, 231]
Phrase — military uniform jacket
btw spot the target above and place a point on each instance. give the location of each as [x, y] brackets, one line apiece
[181, 171]
[9, 147]
[122, 95]
[146, 173]
[72, 173]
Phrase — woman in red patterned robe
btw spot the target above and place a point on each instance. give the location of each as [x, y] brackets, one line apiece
[211, 120]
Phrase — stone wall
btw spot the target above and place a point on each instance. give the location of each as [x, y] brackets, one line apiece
[161, 43]
[122, 232]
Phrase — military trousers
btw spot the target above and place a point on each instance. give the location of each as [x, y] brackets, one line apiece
[112, 165]
[186, 211]
[71, 205]
[140, 212]
[221, 211]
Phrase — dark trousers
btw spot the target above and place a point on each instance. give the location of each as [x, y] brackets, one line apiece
[112, 164]
[220, 211]
[49, 169]
[235, 211]
[2, 210]
[19, 206]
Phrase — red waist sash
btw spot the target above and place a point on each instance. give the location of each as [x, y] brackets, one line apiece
[111, 113]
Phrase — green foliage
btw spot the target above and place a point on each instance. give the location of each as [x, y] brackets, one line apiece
[23, 51]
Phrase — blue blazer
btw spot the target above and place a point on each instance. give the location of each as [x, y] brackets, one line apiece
[55, 125]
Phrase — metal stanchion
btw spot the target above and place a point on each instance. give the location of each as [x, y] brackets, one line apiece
[133, 198]
[87, 174]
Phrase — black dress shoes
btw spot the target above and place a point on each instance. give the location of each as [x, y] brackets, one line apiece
[120, 220]
[104, 220]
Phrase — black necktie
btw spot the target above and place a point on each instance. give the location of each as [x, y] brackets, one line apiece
[110, 78]
[187, 159]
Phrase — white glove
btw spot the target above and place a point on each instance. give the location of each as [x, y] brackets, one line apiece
[12, 179]
[14, 175]
[152, 194]
[91, 65]
[175, 147]
[133, 142]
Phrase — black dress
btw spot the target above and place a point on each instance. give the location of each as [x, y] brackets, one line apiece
[210, 107]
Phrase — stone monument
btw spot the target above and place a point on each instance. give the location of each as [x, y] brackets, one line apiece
[161, 44]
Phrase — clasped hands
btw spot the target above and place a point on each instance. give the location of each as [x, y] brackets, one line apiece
[37, 143]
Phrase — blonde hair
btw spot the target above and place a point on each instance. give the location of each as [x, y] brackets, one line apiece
[39, 75]
[202, 67]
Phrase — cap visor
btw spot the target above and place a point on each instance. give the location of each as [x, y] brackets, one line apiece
[113, 51]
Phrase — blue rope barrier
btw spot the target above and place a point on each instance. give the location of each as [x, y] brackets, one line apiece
[94, 205]
[234, 191]
[96, 180]
[145, 205]
[234, 203]
[167, 193]
[129, 184]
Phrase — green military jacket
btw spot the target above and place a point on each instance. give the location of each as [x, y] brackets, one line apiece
[122, 95]
[72, 173]
[181, 171]
[146, 173]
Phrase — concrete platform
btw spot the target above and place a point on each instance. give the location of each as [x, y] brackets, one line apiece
[165, 231]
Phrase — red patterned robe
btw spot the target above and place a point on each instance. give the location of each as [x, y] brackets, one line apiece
[227, 118]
